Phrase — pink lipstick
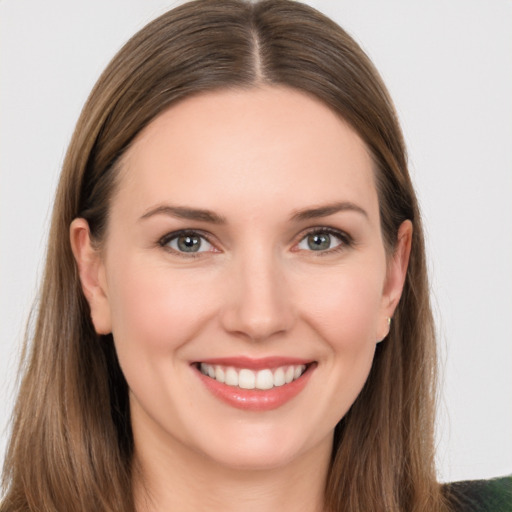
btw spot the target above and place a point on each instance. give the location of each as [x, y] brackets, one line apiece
[255, 384]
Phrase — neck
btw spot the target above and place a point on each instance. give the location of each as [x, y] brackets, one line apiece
[180, 479]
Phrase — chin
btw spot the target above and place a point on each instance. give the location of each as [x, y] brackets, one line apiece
[264, 448]
[244, 458]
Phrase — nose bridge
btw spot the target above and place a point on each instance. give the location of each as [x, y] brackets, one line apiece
[259, 305]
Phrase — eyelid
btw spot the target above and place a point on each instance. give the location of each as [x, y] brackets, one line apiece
[346, 240]
[167, 238]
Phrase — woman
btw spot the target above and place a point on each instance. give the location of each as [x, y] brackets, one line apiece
[234, 229]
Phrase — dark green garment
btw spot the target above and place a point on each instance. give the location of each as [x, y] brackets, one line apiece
[480, 495]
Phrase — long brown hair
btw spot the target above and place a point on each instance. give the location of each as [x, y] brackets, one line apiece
[71, 445]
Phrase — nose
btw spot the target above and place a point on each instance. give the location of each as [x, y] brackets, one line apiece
[258, 302]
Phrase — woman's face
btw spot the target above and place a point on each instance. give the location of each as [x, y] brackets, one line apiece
[243, 243]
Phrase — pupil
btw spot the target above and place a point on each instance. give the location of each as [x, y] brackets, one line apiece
[319, 242]
[188, 243]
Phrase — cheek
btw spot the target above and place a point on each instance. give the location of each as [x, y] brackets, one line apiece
[345, 307]
[342, 309]
[154, 308]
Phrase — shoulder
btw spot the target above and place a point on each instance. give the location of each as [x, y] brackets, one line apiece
[493, 495]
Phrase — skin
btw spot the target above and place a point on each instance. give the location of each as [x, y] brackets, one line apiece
[255, 158]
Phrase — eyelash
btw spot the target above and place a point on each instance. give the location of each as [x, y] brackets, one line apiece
[345, 239]
[169, 237]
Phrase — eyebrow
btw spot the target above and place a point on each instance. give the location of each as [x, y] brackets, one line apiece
[326, 210]
[198, 214]
[183, 212]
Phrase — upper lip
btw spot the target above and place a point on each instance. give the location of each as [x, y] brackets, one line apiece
[255, 363]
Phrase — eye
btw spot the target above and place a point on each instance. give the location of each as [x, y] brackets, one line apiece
[323, 240]
[187, 242]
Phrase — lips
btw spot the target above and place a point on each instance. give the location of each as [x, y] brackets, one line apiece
[255, 384]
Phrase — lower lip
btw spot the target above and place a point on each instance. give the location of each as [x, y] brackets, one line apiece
[255, 399]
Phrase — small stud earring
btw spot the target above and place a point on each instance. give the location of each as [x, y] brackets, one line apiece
[389, 325]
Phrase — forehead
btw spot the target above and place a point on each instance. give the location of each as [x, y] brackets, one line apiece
[256, 147]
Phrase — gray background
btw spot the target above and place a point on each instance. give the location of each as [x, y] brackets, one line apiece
[448, 65]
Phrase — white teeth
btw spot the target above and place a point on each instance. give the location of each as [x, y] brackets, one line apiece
[264, 379]
[231, 377]
[249, 379]
[279, 378]
[246, 379]
[298, 371]
[220, 374]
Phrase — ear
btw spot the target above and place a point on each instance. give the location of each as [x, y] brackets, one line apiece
[395, 278]
[91, 270]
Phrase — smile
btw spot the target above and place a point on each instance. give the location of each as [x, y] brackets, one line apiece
[246, 378]
[255, 384]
